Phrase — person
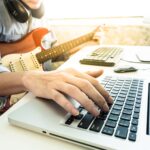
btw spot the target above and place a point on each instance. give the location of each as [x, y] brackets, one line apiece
[51, 85]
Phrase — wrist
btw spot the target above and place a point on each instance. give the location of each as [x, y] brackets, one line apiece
[29, 79]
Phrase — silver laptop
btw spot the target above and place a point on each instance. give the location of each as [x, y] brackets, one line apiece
[126, 126]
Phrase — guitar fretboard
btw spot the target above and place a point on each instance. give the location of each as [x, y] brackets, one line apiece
[62, 48]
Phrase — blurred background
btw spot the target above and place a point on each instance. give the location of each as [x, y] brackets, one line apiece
[128, 20]
[95, 8]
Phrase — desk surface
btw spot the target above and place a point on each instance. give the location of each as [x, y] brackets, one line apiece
[16, 138]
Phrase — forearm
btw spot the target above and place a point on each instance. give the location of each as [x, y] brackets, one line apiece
[7, 48]
[55, 85]
[11, 83]
[21, 46]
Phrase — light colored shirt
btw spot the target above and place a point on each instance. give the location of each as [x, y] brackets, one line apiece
[10, 29]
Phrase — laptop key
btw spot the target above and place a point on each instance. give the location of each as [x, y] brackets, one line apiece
[131, 98]
[121, 132]
[120, 99]
[126, 117]
[130, 107]
[108, 130]
[126, 111]
[117, 107]
[78, 117]
[137, 110]
[139, 98]
[137, 105]
[133, 128]
[111, 123]
[135, 121]
[136, 115]
[132, 136]
[138, 101]
[124, 123]
[86, 121]
[119, 103]
[70, 120]
[103, 115]
[113, 117]
[115, 112]
[97, 125]
[129, 102]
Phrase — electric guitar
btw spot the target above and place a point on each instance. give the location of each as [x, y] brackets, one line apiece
[33, 60]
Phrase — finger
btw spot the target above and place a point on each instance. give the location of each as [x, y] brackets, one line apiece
[79, 96]
[95, 73]
[99, 88]
[87, 88]
[61, 100]
[95, 83]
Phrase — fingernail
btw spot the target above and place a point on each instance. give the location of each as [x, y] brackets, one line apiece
[105, 107]
[96, 111]
[110, 100]
[75, 112]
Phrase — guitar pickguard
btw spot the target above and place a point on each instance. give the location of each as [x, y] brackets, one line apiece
[22, 62]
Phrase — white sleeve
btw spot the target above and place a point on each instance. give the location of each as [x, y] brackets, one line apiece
[48, 40]
[3, 69]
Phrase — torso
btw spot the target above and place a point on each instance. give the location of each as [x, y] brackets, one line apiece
[11, 30]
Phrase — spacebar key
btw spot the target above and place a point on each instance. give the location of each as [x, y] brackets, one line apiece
[86, 121]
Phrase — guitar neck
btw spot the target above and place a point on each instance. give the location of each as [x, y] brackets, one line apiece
[62, 48]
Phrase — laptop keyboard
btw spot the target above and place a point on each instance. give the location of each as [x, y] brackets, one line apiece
[122, 119]
[103, 56]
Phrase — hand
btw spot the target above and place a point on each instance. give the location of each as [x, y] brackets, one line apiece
[100, 34]
[83, 87]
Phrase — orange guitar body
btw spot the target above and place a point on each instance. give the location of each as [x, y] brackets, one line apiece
[26, 44]
[33, 39]
[37, 36]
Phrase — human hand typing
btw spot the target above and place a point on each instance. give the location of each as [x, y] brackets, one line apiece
[83, 87]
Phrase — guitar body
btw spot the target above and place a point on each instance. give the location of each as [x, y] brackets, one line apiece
[29, 42]
[22, 62]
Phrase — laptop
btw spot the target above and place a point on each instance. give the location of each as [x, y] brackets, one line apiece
[125, 126]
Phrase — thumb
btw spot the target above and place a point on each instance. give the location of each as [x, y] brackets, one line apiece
[95, 73]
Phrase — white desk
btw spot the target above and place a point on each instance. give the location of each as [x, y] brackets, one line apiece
[15, 138]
